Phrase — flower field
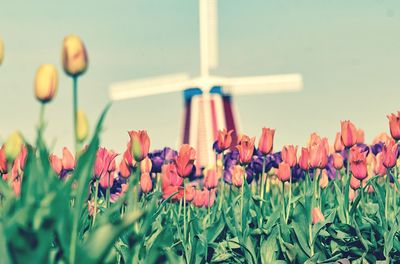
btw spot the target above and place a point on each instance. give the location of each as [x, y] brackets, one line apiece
[320, 203]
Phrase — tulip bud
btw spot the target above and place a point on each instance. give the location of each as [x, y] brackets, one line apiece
[199, 198]
[338, 143]
[337, 161]
[324, 180]
[284, 172]
[184, 162]
[46, 82]
[13, 144]
[354, 183]
[210, 178]
[190, 192]
[360, 136]
[358, 163]
[238, 175]
[352, 194]
[145, 182]
[3, 161]
[74, 56]
[394, 125]
[209, 198]
[224, 140]
[348, 133]
[68, 161]
[139, 144]
[56, 164]
[82, 126]
[377, 163]
[1, 51]
[317, 215]
[289, 155]
[266, 143]
[146, 165]
[303, 160]
[246, 149]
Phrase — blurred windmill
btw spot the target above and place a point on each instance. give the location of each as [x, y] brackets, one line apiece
[208, 104]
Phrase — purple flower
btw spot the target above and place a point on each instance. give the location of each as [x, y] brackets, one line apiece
[156, 160]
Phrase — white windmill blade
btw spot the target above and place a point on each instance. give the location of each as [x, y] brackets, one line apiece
[150, 86]
[264, 84]
[213, 34]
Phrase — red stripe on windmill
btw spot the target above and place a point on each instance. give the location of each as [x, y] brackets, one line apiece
[208, 105]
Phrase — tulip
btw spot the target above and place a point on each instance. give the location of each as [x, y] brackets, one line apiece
[389, 154]
[394, 125]
[209, 198]
[246, 149]
[338, 146]
[55, 163]
[140, 144]
[354, 183]
[46, 83]
[358, 165]
[126, 164]
[199, 198]
[16, 186]
[145, 182]
[170, 175]
[377, 164]
[190, 192]
[224, 140]
[314, 140]
[184, 162]
[337, 161]
[289, 155]
[360, 136]
[266, 142]
[319, 155]
[238, 173]
[82, 126]
[1, 51]
[284, 172]
[107, 180]
[145, 165]
[68, 161]
[324, 180]
[317, 215]
[74, 56]
[348, 134]
[352, 194]
[210, 178]
[13, 145]
[3, 161]
[104, 166]
[303, 160]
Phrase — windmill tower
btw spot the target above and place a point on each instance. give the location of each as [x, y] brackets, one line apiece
[208, 104]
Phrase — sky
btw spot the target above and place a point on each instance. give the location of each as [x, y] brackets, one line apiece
[347, 51]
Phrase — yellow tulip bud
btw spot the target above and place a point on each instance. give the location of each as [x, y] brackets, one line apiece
[82, 126]
[74, 56]
[46, 83]
[1, 51]
[13, 145]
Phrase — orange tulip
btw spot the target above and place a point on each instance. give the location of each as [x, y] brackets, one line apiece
[354, 183]
[319, 155]
[68, 161]
[394, 125]
[284, 172]
[55, 163]
[126, 164]
[303, 160]
[358, 163]
[289, 155]
[185, 160]
[348, 133]
[190, 193]
[377, 163]
[360, 136]
[170, 176]
[238, 173]
[3, 161]
[266, 143]
[315, 139]
[338, 143]
[145, 182]
[317, 215]
[146, 165]
[139, 144]
[324, 180]
[246, 149]
[210, 178]
[224, 139]
[337, 161]
[389, 154]
[199, 198]
[209, 198]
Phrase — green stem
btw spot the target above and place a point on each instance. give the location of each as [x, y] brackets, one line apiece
[262, 190]
[290, 197]
[241, 195]
[284, 202]
[310, 240]
[184, 209]
[75, 110]
[347, 188]
[96, 183]
[395, 190]
[387, 195]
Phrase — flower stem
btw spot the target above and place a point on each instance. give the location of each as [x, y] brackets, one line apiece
[75, 110]
[96, 184]
[262, 190]
[290, 198]
[184, 209]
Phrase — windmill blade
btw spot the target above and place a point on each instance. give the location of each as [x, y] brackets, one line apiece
[150, 86]
[213, 34]
[264, 84]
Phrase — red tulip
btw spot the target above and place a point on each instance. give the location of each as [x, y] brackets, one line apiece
[355, 183]
[224, 139]
[16, 185]
[126, 164]
[104, 167]
[337, 161]
[379, 168]
[284, 172]
[68, 161]
[358, 163]
[199, 198]
[389, 154]
[139, 144]
[3, 161]
[146, 165]
[303, 160]
[289, 155]
[170, 176]
[246, 149]
[266, 143]
[338, 146]
[209, 197]
[210, 178]
[360, 136]
[238, 173]
[145, 182]
[317, 215]
[319, 155]
[190, 192]
[185, 160]
[107, 180]
[394, 124]
[348, 133]
[56, 163]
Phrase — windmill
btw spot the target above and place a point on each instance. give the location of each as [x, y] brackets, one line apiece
[208, 101]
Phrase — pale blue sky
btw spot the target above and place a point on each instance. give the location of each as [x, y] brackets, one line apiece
[347, 51]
